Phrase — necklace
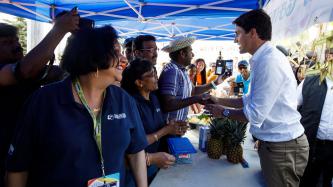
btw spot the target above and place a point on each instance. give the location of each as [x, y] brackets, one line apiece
[96, 109]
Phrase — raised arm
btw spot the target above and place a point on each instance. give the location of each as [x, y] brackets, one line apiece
[33, 63]
[206, 87]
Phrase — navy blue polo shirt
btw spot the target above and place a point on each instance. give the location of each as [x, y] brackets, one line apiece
[151, 116]
[54, 139]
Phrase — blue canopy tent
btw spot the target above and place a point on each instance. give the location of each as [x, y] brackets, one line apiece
[165, 19]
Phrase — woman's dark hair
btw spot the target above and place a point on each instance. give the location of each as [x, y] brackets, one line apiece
[257, 19]
[133, 72]
[90, 50]
[203, 72]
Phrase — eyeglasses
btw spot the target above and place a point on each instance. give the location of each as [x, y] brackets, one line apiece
[151, 50]
[150, 75]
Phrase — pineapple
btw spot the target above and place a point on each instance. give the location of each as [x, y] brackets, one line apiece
[214, 143]
[224, 146]
[214, 148]
[235, 136]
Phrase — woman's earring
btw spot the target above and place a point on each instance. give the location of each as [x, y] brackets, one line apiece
[96, 74]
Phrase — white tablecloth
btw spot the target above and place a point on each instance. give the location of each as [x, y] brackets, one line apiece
[205, 172]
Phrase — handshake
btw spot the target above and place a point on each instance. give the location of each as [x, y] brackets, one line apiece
[205, 99]
[212, 106]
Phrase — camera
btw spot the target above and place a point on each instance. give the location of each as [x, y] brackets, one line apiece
[84, 23]
[239, 88]
[223, 67]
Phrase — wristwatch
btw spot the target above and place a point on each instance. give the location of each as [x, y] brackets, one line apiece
[226, 113]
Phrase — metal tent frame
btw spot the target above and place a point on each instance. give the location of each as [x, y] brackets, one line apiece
[166, 19]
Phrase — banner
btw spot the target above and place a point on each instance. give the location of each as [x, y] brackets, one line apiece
[291, 17]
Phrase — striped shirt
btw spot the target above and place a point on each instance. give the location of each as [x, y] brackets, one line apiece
[175, 81]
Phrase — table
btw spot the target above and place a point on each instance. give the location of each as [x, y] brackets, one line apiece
[205, 172]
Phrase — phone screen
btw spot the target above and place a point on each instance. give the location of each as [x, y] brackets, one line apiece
[220, 66]
[229, 64]
[218, 70]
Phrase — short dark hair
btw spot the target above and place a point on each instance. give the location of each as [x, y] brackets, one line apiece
[174, 55]
[89, 50]
[7, 30]
[257, 19]
[134, 72]
[138, 41]
[128, 43]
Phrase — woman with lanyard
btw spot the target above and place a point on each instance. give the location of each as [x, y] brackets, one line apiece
[140, 80]
[78, 132]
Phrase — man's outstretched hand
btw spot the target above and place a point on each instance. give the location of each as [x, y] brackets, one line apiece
[215, 109]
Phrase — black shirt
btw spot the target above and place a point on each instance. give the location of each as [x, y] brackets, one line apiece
[12, 99]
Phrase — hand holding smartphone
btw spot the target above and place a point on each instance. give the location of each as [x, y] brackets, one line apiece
[224, 67]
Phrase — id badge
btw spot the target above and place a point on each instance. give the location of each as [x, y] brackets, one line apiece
[112, 180]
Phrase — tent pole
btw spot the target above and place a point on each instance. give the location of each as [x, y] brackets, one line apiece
[32, 12]
[260, 3]
[108, 11]
[139, 15]
[52, 11]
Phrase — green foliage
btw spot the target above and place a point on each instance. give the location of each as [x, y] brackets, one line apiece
[203, 116]
[235, 132]
[217, 128]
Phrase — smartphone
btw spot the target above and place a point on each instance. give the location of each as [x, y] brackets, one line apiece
[220, 67]
[236, 88]
[85, 23]
[240, 84]
[229, 67]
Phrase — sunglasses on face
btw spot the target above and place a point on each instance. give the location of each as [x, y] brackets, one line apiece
[242, 67]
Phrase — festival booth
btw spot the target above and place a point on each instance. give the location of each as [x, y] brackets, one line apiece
[205, 20]
[165, 19]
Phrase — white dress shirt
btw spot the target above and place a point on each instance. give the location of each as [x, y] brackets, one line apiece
[271, 104]
[325, 130]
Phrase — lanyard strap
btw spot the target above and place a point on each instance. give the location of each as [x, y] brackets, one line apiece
[96, 120]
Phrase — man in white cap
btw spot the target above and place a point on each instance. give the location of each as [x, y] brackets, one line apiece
[175, 87]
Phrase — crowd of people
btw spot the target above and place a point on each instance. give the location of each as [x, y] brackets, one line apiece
[102, 116]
